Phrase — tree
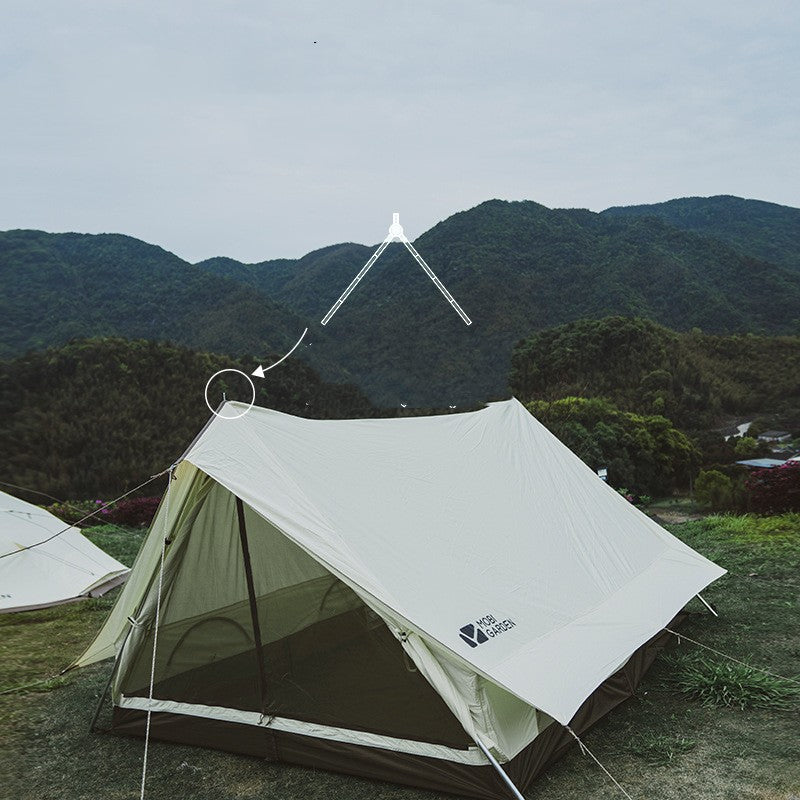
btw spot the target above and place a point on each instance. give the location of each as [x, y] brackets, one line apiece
[646, 453]
[746, 447]
[713, 489]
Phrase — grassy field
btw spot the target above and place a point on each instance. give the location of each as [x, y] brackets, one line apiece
[661, 745]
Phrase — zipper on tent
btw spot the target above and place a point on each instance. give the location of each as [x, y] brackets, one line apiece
[251, 593]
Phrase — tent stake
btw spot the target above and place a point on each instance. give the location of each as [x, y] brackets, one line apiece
[703, 601]
[496, 764]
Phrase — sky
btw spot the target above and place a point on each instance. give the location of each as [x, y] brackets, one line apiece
[261, 130]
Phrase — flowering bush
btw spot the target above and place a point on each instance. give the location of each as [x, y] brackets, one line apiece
[775, 490]
[134, 511]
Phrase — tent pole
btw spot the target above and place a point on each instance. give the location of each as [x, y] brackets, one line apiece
[496, 764]
[703, 601]
[251, 593]
[92, 728]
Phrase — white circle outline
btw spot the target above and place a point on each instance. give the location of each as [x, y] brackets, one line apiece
[252, 386]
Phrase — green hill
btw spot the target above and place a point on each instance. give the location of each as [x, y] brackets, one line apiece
[692, 378]
[764, 230]
[57, 287]
[297, 283]
[98, 416]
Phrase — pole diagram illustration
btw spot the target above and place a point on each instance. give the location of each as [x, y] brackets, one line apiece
[396, 234]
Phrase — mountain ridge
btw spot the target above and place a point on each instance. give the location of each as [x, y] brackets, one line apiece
[770, 231]
[515, 267]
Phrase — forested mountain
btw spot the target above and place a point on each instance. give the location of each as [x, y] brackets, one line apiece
[96, 417]
[764, 230]
[691, 378]
[297, 282]
[514, 268]
[57, 287]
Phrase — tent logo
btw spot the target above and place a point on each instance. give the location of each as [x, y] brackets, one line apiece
[483, 629]
[473, 635]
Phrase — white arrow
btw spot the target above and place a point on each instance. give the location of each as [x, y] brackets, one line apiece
[259, 370]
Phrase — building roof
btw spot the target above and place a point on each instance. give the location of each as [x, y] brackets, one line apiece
[762, 463]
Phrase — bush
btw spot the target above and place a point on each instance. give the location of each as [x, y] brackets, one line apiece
[775, 490]
[73, 511]
[713, 489]
[134, 511]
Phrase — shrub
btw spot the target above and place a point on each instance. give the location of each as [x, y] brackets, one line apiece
[134, 511]
[713, 489]
[73, 511]
[773, 491]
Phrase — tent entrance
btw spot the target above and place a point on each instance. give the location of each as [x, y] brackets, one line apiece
[324, 656]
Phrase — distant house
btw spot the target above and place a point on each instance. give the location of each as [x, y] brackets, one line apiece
[774, 436]
[735, 431]
[762, 463]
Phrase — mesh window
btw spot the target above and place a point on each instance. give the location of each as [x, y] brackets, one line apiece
[327, 657]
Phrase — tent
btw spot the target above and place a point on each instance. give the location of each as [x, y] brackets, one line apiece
[401, 599]
[67, 567]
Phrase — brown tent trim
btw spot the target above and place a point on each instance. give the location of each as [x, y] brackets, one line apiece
[421, 771]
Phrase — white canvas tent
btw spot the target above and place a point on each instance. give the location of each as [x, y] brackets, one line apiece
[376, 596]
[65, 568]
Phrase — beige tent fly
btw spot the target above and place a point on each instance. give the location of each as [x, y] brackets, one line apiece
[45, 562]
[392, 598]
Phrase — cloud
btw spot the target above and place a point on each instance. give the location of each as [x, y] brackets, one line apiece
[221, 128]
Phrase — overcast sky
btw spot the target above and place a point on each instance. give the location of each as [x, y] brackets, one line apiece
[262, 130]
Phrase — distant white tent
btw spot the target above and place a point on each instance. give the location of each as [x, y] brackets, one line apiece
[65, 568]
[379, 596]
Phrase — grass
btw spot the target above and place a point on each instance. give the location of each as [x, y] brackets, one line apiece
[660, 749]
[662, 745]
[726, 683]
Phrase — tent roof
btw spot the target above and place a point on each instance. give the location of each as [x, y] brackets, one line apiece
[62, 569]
[452, 520]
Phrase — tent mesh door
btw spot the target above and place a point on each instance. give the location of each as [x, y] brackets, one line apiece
[327, 658]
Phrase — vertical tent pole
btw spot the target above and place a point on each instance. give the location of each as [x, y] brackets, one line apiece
[496, 764]
[251, 593]
[103, 697]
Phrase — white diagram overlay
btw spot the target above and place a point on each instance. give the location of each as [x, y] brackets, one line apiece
[396, 234]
